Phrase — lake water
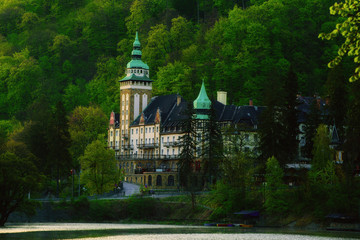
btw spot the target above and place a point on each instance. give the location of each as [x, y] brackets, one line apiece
[150, 232]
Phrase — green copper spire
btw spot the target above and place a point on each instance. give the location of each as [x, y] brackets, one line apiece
[136, 69]
[136, 61]
[136, 42]
[202, 101]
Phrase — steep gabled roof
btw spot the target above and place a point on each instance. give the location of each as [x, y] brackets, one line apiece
[166, 104]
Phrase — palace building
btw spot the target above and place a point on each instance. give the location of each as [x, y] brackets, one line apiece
[146, 133]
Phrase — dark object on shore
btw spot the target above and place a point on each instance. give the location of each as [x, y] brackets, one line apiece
[339, 217]
[248, 213]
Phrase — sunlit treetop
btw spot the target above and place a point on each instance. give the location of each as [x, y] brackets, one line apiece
[349, 29]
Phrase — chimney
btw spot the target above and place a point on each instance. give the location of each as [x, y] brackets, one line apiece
[178, 100]
[327, 100]
[221, 97]
[112, 118]
[318, 101]
[251, 102]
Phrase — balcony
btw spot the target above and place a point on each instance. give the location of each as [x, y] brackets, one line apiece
[171, 144]
[148, 145]
[127, 146]
[146, 157]
[125, 136]
[159, 170]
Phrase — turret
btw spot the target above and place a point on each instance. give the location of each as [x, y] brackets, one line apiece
[202, 104]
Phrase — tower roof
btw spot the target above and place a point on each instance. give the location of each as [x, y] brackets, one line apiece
[202, 101]
[136, 53]
[136, 42]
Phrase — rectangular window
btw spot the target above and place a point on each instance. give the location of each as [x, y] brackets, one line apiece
[111, 133]
[152, 129]
[141, 130]
[117, 132]
[167, 139]
[132, 131]
[145, 130]
[137, 131]
[173, 139]
[157, 129]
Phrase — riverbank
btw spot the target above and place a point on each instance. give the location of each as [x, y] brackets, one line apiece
[147, 210]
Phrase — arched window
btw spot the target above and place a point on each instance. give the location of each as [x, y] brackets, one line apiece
[171, 181]
[158, 180]
[150, 180]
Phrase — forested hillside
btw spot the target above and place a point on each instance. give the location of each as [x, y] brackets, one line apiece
[60, 62]
[75, 51]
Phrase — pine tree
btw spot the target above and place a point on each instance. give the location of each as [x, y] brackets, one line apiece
[351, 146]
[337, 92]
[312, 122]
[213, 149]
[272, 128]
[59, 142]
[187, 176]
[291, 116]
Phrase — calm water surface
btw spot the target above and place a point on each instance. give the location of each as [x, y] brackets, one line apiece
[96, 231]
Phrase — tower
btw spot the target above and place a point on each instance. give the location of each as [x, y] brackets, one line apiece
[135, 93]
[202, 104]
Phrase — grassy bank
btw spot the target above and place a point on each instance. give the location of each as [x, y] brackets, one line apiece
[136, 209]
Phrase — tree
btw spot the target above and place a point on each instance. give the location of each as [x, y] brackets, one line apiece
[173, 78]
[313, 121]
[85, 124]
[59, 143]
[275, 199]
[322, 178]
[352, 150]
[272, 127]
[99, 168]
[188, 178]
[349, 10]
[213, 153]
[336, 86]
[157, 47]
[18, 177]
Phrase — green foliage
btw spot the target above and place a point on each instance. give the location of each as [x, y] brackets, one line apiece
[85, 124]
[322, 154]
[18, 177]
[157, 48]
[99, 171]
[348, 28]
[276, 202]
[173, 78]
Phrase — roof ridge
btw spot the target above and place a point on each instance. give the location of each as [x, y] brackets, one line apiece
[172, 109]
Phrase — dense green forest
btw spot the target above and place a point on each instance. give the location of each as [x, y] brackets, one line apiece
[60, 62]
[75, 51]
